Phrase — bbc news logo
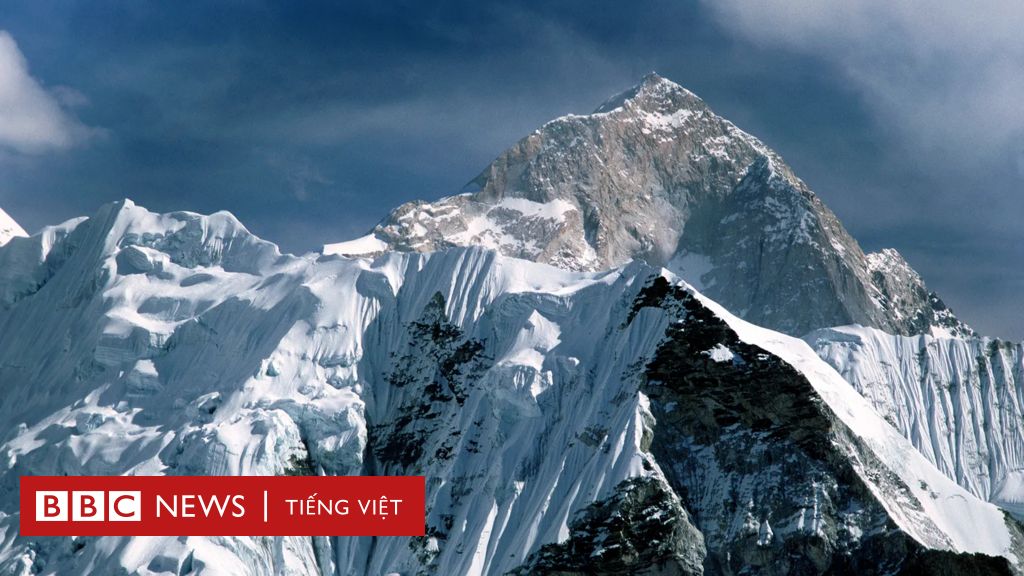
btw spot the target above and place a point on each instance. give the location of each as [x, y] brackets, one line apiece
[89, 506]
[222, 505]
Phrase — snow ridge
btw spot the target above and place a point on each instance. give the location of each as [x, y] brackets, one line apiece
[142, 343]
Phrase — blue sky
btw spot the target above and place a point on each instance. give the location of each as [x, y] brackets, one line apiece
[310, 120]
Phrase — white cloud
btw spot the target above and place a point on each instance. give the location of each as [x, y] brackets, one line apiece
[949, 75]
[32, 118]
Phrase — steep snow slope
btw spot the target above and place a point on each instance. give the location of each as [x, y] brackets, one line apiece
[958, 399]
[544, 407]
[654, 174]
[969, 527]
[9, 228]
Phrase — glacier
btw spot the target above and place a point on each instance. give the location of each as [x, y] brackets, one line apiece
[957, 398]
[543, 406]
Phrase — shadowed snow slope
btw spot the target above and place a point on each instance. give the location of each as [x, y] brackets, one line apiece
[543, 406]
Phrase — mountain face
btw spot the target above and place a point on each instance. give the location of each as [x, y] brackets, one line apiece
[584, 413]
[653, 174]
[614, 422]
[960, 400]
[9, 228]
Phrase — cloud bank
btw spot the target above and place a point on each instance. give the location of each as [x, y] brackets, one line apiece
[948, 75]
[32, 119]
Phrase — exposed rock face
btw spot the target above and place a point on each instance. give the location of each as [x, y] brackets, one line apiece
[776, 481]
[654, 174]
[901, 291]
[643, 530]
[544, 407]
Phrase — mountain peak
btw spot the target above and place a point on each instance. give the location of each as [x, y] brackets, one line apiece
[9, 228]
[654, 93]
[655, 175]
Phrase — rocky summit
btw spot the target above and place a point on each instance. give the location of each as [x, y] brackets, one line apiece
[654, 174]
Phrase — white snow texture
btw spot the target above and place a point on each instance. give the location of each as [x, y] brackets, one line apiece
[141, 343]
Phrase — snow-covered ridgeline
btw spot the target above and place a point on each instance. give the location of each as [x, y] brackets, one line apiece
[133, 342]
[180, 344]
[944, 502]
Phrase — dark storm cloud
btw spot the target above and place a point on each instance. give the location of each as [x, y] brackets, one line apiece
[310, 120]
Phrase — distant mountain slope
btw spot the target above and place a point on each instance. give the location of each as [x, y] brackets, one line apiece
[654, 174]
[584, 423]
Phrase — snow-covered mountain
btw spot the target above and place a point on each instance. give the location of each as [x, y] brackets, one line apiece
[960, 400]
[9, 228]
[653, 174]
[614, 422]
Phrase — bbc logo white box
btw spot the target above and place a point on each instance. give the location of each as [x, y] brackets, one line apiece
[89, 506]
[124, 505]
[51, 506]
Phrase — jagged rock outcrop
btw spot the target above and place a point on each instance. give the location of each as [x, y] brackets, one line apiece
[746, 437]
[905, 298]
[642, 529]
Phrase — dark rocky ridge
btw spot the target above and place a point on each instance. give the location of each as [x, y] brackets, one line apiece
[762, 477]
[642, 530]
[756, 424]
